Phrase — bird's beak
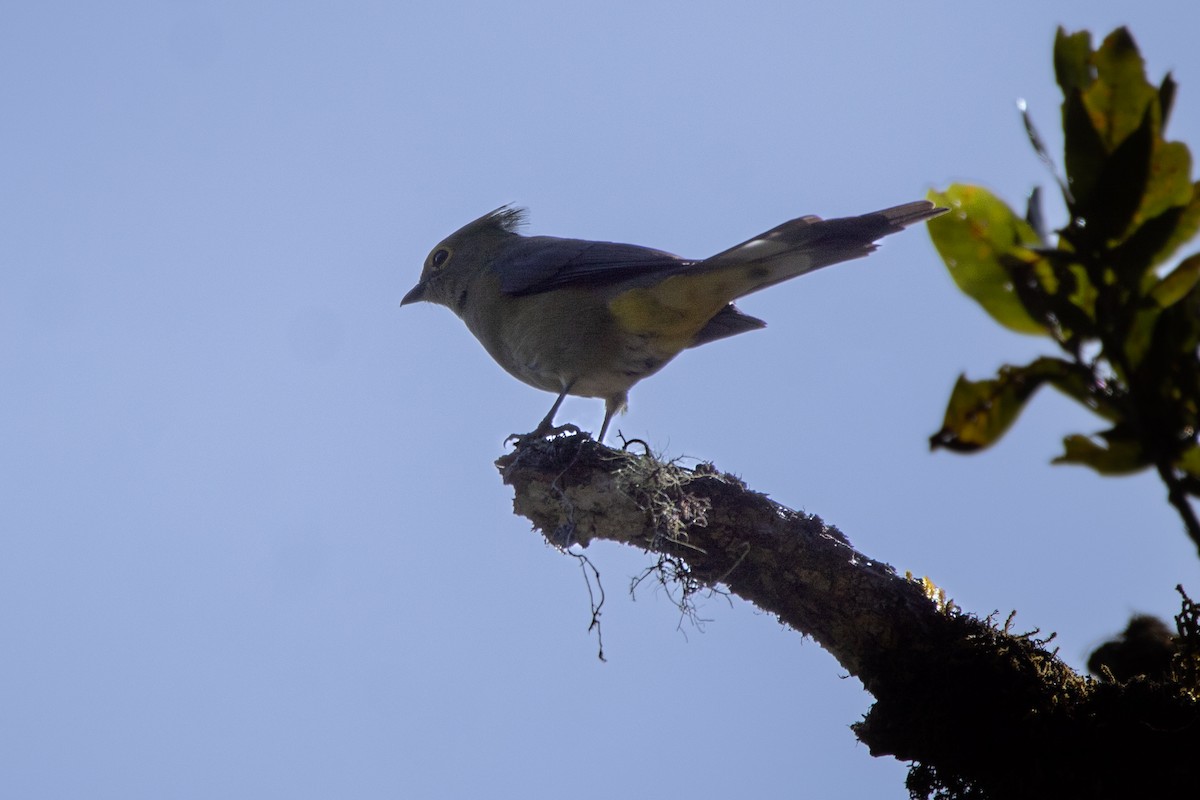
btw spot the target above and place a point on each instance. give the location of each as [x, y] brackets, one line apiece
[415, 295]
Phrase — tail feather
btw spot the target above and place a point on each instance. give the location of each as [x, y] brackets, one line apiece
[729, 321]
[809, 243]
[911, 213]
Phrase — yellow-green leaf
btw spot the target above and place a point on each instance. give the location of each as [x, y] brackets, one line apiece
[1178, 282]
[1116, 101]
[1072, 59]
[1116, 457]
[1140, 335]
[1169, 183]
[1183, 229]
[980, 412]
[1189, 462]
[975, 240]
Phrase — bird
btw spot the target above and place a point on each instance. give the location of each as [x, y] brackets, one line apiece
[592, 318]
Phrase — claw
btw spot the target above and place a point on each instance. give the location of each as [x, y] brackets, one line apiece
[546, 428]
[543, 432]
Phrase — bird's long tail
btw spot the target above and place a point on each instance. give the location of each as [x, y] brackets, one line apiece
[809, 243]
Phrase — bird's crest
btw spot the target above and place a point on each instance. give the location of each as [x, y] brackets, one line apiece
[506, 218]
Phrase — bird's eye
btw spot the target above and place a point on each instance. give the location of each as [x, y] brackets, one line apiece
[440, 257]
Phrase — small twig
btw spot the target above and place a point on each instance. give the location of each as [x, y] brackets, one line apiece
[586, 564]
[627, 443]
[1177, 496]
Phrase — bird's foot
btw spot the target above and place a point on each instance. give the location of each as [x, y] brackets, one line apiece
[542, 432]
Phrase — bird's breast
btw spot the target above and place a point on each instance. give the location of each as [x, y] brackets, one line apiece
[570, 337]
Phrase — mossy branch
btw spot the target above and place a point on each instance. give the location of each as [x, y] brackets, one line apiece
[964, 698]
[790, 564]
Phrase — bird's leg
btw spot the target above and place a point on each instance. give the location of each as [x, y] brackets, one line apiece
[548, 421]
[611, 406]
[546, 427]
[608, 415]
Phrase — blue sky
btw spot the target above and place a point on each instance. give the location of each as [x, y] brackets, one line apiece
[253, 541]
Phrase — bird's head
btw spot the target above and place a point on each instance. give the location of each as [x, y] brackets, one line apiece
[458, 259]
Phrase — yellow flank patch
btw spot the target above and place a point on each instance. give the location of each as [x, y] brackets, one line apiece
[676, 308]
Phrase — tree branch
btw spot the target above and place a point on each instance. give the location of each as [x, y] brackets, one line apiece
[790, 564]
[953, 692]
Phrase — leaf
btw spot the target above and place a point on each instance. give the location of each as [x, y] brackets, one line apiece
[1140, 335]
[1062, 294]
[1102, 108]
[1184, 229]
[1072, 60]
[1117, 100]
[974, 240]
[1177, 283]
[1084, 151]
[1189, 462]
[1169, 183]
[1154, 242]
[1116, 157]
[1035, 217]
[1119, 456]
[980, 412]
[1109, 211]
[1080, 384]
[1166, 97]
[1167, 381]
[1172, 365]
[1160, 343]
[1084, 294]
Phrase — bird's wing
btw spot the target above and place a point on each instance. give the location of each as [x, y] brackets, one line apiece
[534, 264]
